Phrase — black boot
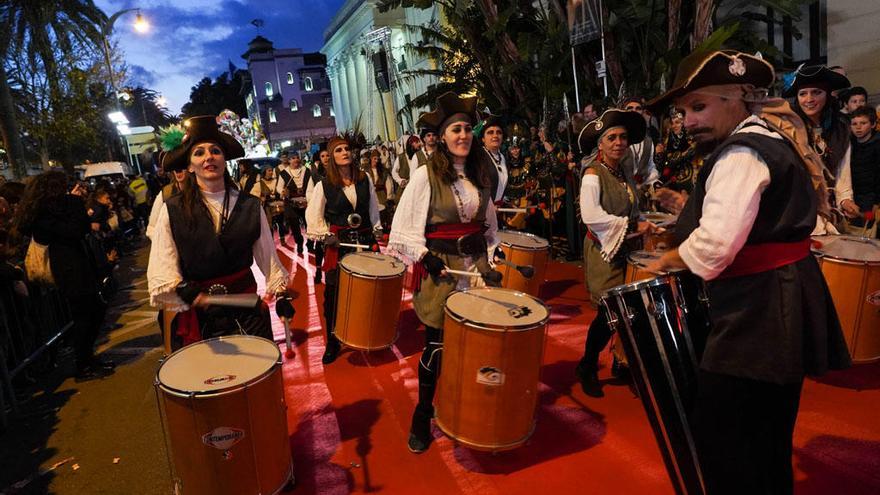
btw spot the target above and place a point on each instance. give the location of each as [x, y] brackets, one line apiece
[619, 370]
[331, 351]
[589, 379]
[317, 279]
[299, 249]
[420, 432]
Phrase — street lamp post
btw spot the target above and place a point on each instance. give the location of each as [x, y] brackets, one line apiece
[141, 26]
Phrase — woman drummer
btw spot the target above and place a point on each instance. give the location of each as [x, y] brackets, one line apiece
[381, 178]
[445, 218]
[610, 209]
[342, 208]
[205, 240]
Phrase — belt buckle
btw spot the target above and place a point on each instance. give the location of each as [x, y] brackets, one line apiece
[218, 290]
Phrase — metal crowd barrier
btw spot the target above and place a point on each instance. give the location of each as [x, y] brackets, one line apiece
[28, 327]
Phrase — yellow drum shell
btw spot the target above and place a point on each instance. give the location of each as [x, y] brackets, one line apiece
[368, 304]
[523, 249]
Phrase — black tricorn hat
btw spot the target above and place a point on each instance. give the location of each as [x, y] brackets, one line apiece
[633, 122]
[815, 75]
[201, 129]
[447, 105]
[701, 69]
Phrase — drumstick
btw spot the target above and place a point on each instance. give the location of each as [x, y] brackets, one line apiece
[374, 247]
[461, 273]
[286, 323]
[516, 210]
[231, 300]
[527, 271]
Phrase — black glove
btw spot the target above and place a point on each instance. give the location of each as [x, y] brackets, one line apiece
[389, 203]
[492, 278]
[331, 241]
[433, 265]
[500, 254]
[284, 305]
[188, 292]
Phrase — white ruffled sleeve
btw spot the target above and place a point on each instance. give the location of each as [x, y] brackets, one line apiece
[843, 186]
[163, 269]
[267, 258]
[407, 239]
[317, 226]
[154, 214]
[610, 229]
[374, 206]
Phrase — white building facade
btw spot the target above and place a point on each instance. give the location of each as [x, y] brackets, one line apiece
[366, 62]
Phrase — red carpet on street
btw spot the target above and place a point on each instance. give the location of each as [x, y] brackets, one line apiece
[349, 421]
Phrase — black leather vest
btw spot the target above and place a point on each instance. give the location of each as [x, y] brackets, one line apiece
[338, 208]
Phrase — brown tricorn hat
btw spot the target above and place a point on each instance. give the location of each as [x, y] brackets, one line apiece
[633, 122]
[701, 69]
[201, 129]
[448, 105]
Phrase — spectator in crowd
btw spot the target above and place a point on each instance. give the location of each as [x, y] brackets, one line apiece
[853, 98]
[865, 160]
[248, 175]
[57, 218]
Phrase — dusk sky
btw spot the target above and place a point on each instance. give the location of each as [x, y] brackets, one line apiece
[191, 39]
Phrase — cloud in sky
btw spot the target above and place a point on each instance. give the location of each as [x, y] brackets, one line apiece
[192, 39]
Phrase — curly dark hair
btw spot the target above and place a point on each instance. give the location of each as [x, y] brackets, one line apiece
[475, 167]
[37, 193]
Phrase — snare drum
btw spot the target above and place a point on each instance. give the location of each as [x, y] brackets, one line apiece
[368, 306]
[636, 262]
[664, 240]
[521, 248]
[663, 365]
[225, 420]
[851, 266]
[493, 344]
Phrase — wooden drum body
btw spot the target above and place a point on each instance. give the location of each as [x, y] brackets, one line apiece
[521, 248]
[222, 401]
[493, 346]
[368, 305]
[851, 266]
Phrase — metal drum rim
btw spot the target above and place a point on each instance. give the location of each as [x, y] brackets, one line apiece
[657, 281]
[818, 252]
[524, 248]
[368, 276]
[496, 328]
[222, 391]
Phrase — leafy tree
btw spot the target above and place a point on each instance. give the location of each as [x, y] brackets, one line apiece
[212, 97]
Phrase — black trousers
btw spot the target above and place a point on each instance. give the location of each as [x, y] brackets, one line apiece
[743, 430]
[87, 312]
[218, 321]
[598, 337]
[296, 221]
[331, 293]
[429, 370]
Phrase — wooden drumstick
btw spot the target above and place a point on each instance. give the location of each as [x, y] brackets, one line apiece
[374, 247]
[232, 300]
[524, 209]
[461, 273]
[286, 324]
[527, 271]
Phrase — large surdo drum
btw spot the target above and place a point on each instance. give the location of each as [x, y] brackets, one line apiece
[521, 248]
[225, 420]
[851, 266]
[493, 344]
[368, 306]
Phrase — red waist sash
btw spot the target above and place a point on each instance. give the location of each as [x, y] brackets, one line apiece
[241, 282]
[441, 231]
[757, 258]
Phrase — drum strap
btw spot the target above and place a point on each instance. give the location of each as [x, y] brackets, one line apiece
[331, 254]
[241, 282]
[757, 258]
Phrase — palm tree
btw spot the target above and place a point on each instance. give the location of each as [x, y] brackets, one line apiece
[42, 29]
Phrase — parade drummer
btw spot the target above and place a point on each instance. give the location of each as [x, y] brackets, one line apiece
[319, 171]
[381, 178]
[445, 219]
[205, 240]
[610, 209]
[345, 191]
[296, 180]
[746, 231]
[170, 189]
[492, 135]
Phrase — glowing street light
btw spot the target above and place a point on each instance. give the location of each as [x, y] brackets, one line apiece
[161, 101]
[141, 24]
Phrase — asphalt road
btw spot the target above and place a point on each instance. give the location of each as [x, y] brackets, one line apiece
[106, 434]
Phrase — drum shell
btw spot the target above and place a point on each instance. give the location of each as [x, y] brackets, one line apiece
[368, 308]
[260, 462]
[521, 255]
[852, 283]
[275, 208]
[662, 241]
[483, 416]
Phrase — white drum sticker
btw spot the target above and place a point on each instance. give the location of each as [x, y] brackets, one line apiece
[874, 298]
[223, 437]
[487, 375]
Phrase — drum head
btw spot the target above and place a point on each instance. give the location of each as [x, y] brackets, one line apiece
[373, 264]
[847, 247]
[497, 308]
[214, 365]
[656, 217]
[522, 240]
[642, 258]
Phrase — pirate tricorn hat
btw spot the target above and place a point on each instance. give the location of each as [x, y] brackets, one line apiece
[199, 129]
[633, 122]
[447, 105]
[701, 69]
[815, 76]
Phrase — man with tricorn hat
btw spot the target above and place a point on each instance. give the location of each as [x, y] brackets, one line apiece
[746, 231]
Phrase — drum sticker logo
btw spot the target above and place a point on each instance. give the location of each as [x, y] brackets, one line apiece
[214, 380]
[488, 375]
[873, 298]
[519, 311]
[223, 437]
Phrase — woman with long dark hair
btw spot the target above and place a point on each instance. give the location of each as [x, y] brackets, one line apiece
[54, 217]
[828, 129]
[206, 239]
[445, 218]
[345, 191]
